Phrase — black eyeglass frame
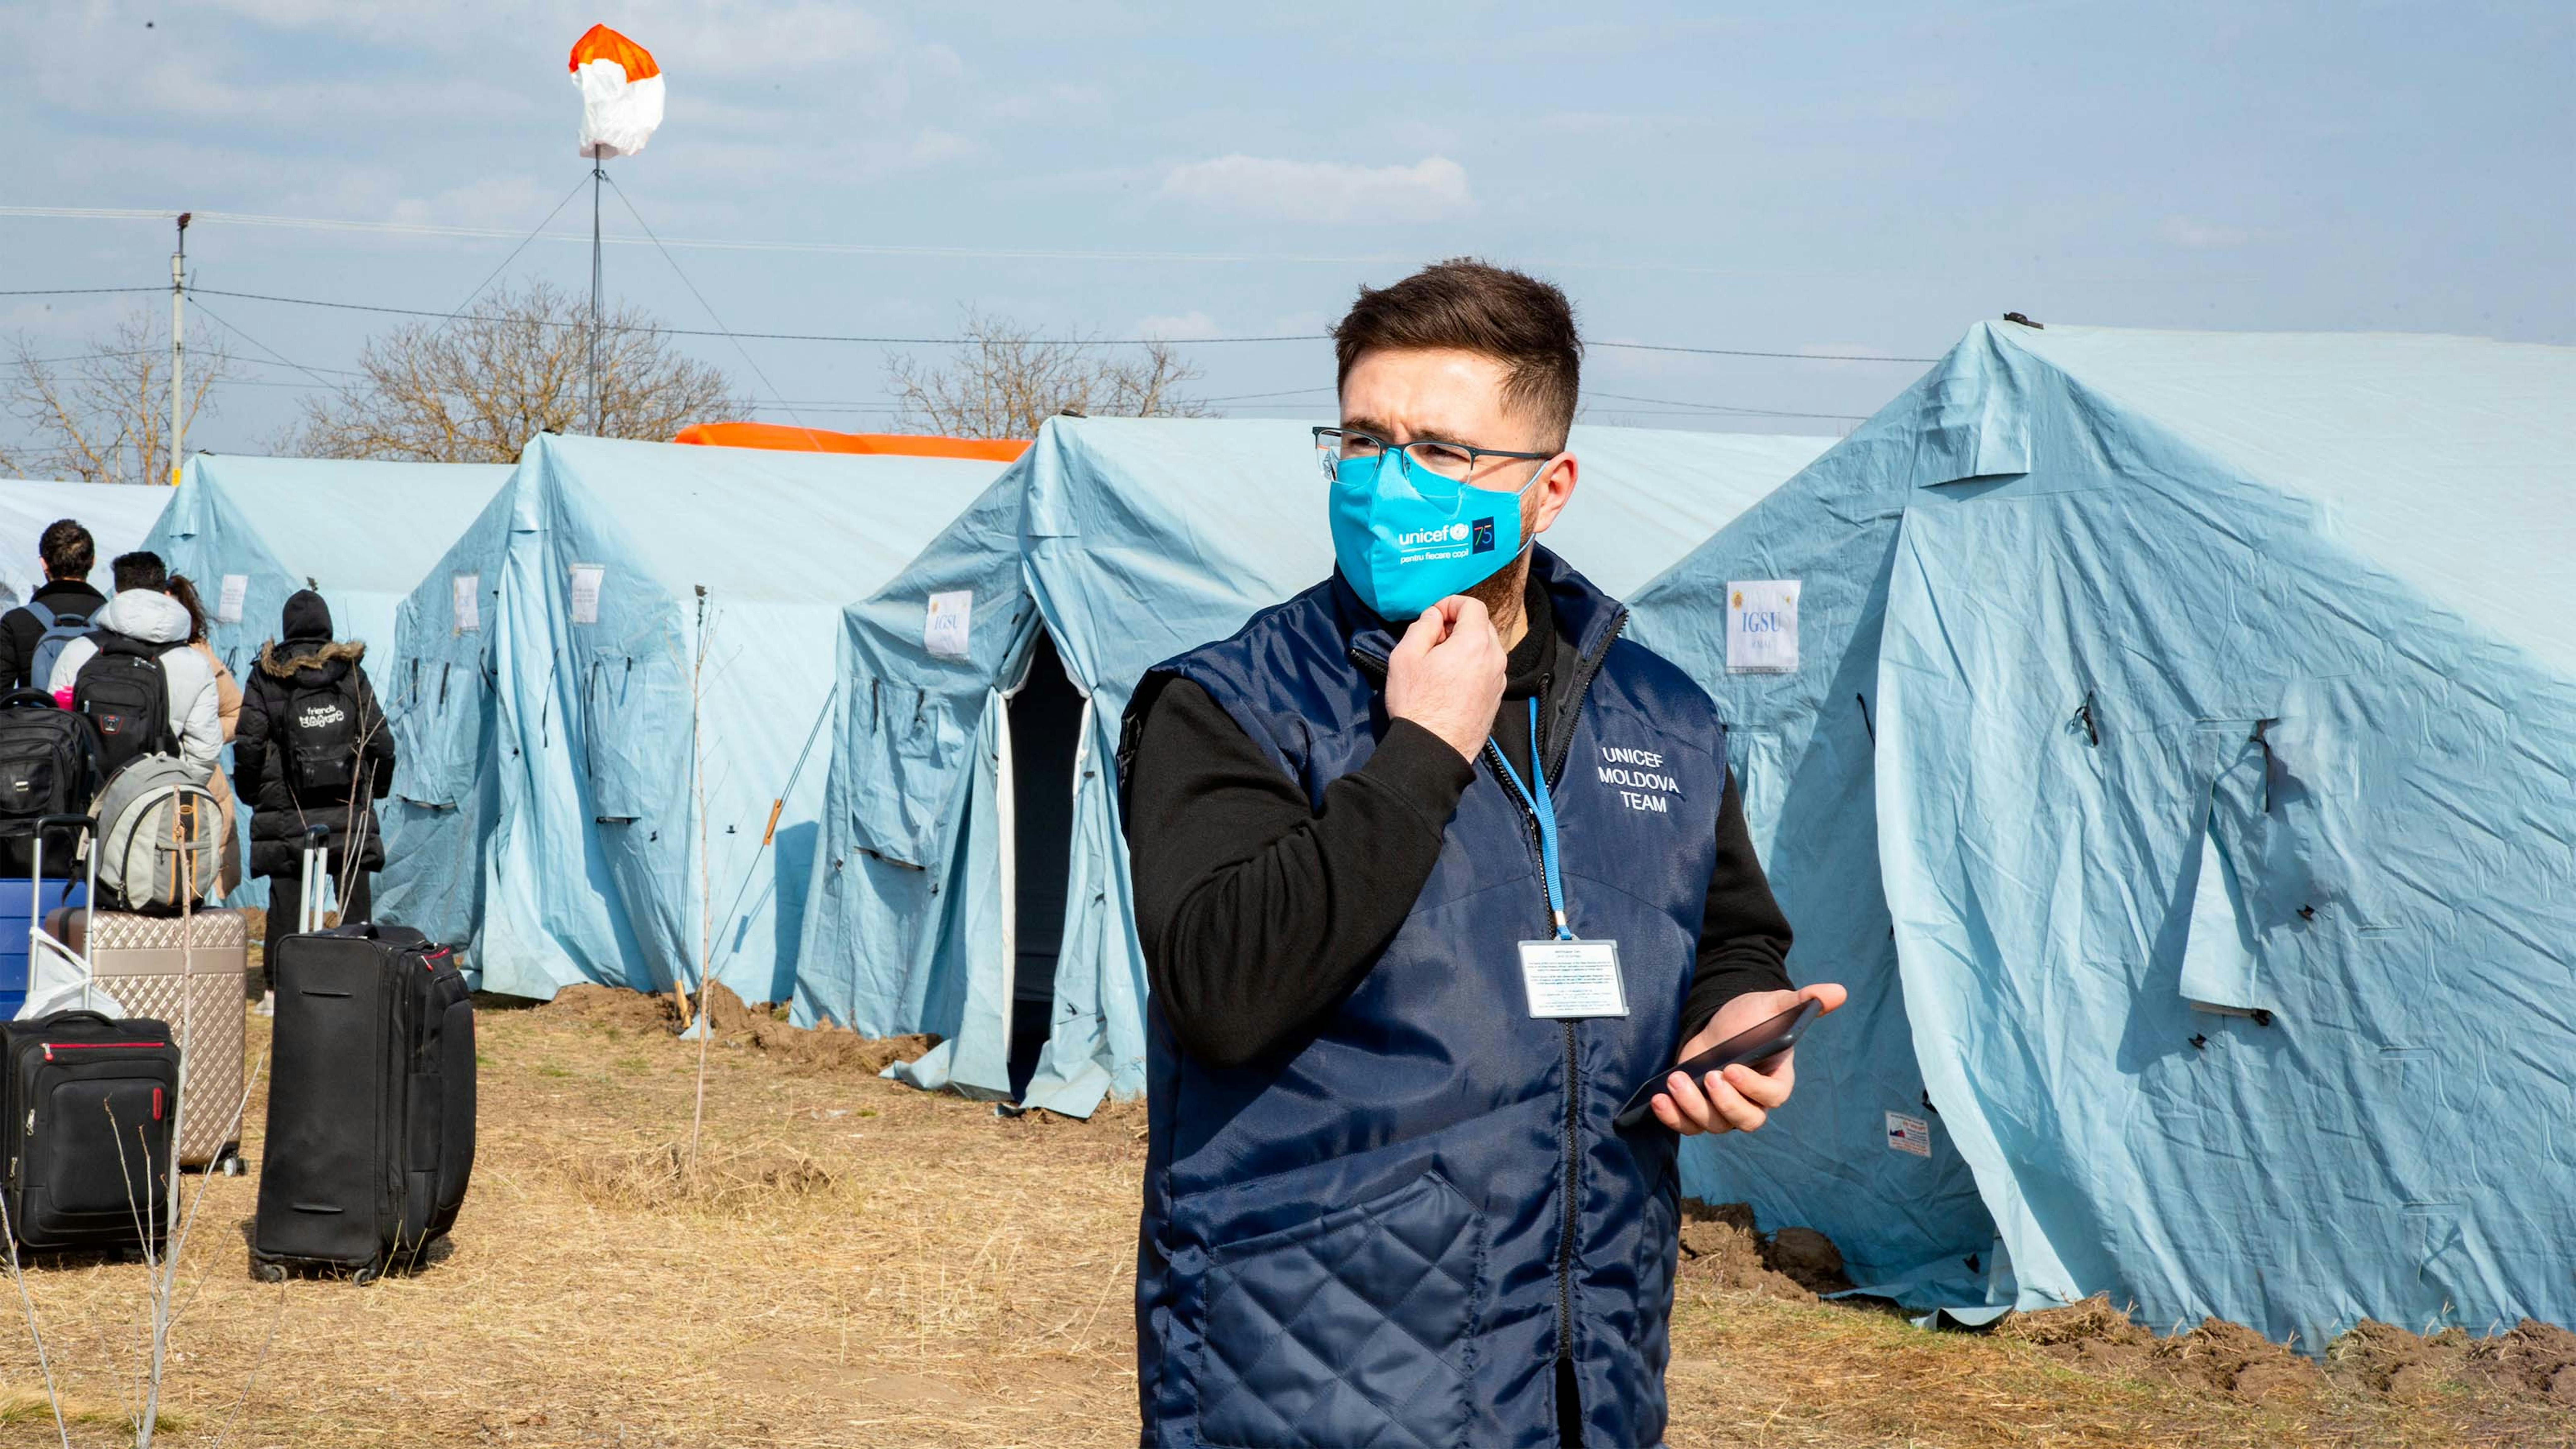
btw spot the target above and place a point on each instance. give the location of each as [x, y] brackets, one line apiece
[1334, 438]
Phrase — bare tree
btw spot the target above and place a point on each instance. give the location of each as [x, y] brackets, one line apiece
[476, 388]
[1007, 381]
[100, 411]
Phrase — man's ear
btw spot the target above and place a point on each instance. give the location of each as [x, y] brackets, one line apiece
[1553, 490]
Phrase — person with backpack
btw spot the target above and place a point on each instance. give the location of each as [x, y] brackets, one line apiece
[228, 704]
[32, 635]
[312, 749]
[136, 681]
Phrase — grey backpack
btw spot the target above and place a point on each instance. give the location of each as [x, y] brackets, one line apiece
[160, 836]
[59, 630]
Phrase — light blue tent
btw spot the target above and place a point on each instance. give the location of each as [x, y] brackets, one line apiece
[1113, 545]
[623, 664]
[251, 531]
[2225, 787]
[117, 515]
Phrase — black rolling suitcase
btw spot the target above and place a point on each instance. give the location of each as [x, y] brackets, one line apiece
[89, 1102]
[370, 1102]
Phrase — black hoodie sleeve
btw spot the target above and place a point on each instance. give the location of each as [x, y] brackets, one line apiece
[251, 732]
[1743, 937]
[1257, 910]
[15, 628]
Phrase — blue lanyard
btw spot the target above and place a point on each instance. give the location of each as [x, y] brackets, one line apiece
[1534, 795]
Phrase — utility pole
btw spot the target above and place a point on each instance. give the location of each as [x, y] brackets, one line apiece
[178, 349]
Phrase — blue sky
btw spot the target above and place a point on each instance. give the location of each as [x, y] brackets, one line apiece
[1854, 178]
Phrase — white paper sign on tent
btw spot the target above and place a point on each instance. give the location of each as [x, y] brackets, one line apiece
[1762, 626]
[944, 626]
[585, 592]
[468, 592]
[228, 604]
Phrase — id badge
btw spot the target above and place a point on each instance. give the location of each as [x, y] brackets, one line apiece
[1572, 980]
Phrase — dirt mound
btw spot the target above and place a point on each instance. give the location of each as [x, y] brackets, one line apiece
[2091, 1333]
[2531, 1357]
[615, 1006]
[2092, 1321]
[762, 1028]
[2226, 1358]
[2234, 1359]
[2386, 1359]
[1720, 1246]
[1807, 1257]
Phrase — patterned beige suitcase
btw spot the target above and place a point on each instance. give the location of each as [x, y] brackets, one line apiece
[195, 985]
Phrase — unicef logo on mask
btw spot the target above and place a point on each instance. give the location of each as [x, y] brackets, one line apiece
[1457, 533]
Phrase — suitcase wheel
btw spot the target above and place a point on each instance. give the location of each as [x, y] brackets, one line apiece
[269, 1272]
[234, 1166]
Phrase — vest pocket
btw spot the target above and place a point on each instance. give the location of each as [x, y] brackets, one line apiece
[1355, 1328]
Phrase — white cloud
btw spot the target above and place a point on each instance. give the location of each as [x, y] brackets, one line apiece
[2201, 236]
[1188, 327]
[1323, 191]
[502, 201]
[1046, 102]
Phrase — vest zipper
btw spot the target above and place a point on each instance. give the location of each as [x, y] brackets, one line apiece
[1585, 668]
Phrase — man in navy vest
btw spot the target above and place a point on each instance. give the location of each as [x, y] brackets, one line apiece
[1432, 869]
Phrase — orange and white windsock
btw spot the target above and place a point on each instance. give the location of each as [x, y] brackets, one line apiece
[621, 93]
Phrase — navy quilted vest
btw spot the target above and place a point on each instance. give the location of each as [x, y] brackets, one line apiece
[1387, 1233]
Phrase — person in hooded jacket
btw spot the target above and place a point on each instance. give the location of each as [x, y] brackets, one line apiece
[312, 749]
[143, 612]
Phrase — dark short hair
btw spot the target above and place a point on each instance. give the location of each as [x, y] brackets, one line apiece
[141, 570]
[68, 550]
[1512, 317]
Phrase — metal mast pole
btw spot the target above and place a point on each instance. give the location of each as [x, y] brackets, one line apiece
[178, 350]
[598, 404]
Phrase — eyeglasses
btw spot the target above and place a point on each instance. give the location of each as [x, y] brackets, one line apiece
[1455, 462]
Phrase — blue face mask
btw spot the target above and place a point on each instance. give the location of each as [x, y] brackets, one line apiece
[1407, 538]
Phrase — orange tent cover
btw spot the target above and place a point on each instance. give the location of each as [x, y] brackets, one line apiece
[814, 440]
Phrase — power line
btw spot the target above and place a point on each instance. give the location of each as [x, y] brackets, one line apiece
[1053, 342]
[459, 309]
[935, 341]
[1726, 407]
[1048, 254]
[227, 325]
[702, 301]
[75, 291]
[775, 336]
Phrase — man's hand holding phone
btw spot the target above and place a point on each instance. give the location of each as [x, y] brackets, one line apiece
[1740, 1098]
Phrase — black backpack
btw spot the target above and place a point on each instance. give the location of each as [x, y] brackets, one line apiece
[319, 739]
[124, 693]
[47, 757]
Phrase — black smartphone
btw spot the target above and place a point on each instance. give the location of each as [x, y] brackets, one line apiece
[1750, 1047]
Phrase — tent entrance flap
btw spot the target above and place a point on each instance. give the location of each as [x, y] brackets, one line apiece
[1045, 727]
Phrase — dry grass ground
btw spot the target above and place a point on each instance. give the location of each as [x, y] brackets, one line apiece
[858, 1264]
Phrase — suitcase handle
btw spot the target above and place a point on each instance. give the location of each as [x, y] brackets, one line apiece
[76, 1013]
[66, 822]
[378, 931]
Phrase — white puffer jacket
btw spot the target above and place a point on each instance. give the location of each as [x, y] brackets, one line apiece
[196, 709]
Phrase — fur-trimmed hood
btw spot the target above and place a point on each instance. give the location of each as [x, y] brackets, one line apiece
[295, 656]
